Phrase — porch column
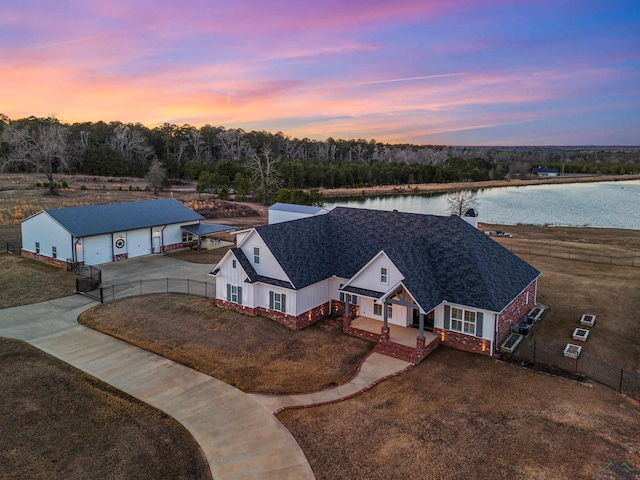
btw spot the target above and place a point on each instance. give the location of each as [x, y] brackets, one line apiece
[421, 326]
[385, 313]
[384, 335]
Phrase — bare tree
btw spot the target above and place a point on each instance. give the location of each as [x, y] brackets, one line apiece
[461, 201]
[132, 145]
[194, 136]
[157, 176]
[233, 144]
[42, 145]
[263, 164]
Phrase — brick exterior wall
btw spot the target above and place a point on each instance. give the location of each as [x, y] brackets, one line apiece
[290, 321]
[515, 311]
[177, 246]
[461, 341]
[56, 262]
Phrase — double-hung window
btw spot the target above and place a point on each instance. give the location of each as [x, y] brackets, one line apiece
[278, 302]
[54, 252]
[37, 247]
[256, 255]
[234, 294]
[377, 309]
[463, 320]
[384, 275]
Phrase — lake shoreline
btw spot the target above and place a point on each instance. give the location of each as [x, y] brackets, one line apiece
[426, 188]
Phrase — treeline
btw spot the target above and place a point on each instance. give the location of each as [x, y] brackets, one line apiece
[261, 162]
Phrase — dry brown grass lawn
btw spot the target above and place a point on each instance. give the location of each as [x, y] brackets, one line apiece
[462, 415]
[58, 422]
[255, 354]
[24, 281]
[571, 288]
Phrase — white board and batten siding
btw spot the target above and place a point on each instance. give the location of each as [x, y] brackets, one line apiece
[369, 277]
[44, 230]
[230, 275]
[267, 266]
[312, 296]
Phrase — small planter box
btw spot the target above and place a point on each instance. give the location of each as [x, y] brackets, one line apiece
[536, 312]
[588, 320]
[511, 343]
[572, 351]
[580, 334]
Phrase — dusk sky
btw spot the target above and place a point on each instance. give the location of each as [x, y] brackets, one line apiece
[456, 72]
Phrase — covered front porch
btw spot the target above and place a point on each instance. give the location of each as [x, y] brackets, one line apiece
[400, 342]
[411, 343]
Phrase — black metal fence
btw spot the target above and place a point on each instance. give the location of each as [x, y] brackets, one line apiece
[145, 287]
[13, 248]
[550, 358]
[574, 255]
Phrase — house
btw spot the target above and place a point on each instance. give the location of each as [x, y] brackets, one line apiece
[388, 273]
[544, 172]
[283, 212]
[104, 233]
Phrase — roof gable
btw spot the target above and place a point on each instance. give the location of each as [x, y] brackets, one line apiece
[116, 217]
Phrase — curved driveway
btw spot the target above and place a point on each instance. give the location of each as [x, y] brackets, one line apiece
[239, 437]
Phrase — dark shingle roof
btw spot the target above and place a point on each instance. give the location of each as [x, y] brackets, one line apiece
[441, 258]
[117, 217]
[252, 275]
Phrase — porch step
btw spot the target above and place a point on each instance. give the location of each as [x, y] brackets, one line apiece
[404, 352]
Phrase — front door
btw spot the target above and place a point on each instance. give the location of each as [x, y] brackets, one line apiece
[428, 320]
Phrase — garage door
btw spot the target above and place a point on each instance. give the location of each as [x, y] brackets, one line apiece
[139, 242]
[97, 250]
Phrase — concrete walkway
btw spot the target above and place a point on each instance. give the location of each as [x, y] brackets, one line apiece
[239, 437]
[373, 370]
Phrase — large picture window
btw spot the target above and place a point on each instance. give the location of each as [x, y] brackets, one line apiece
[186, 236]
[463, 321]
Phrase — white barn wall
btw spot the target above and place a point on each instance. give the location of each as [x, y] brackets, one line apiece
[96, 250]
[138, 242]
[49, 233]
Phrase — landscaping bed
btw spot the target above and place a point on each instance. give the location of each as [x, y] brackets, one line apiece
[58, 422]
[254, 354]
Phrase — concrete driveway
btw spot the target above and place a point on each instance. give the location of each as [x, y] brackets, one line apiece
[152, 267]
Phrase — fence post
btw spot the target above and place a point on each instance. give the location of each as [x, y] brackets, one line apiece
[141, 287]
[534, 351]
[167, 284]
[101, 296]
[188, 287]
[206, 295]
[621, 374]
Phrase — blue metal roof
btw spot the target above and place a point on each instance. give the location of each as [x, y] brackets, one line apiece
[291, 207]
[118, 217]
[207, 228]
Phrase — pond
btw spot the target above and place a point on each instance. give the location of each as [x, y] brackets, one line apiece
[601, 204]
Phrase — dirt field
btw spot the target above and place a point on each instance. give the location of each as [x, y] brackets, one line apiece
[462, 415]
[58, 422]
[254, 354]
[24, 281]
